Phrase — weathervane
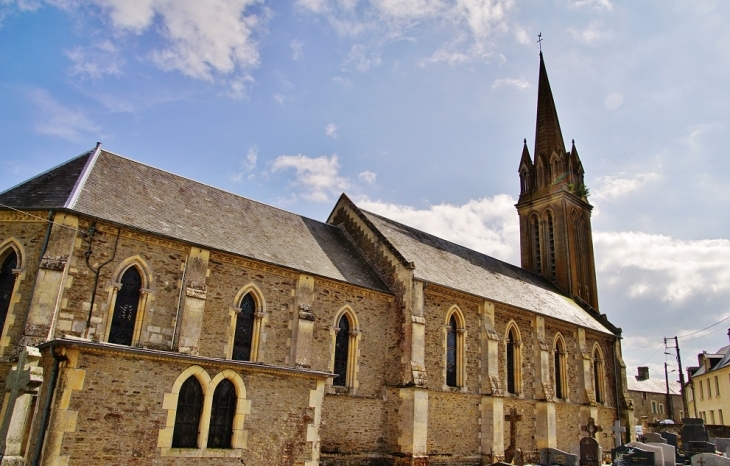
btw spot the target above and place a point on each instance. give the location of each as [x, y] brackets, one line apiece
[539, 41]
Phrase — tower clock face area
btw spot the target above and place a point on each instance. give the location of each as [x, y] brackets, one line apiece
[555, 228]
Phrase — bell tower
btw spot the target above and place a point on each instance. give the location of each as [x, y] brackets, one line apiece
[555, 216]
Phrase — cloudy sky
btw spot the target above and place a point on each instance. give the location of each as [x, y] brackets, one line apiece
[415, 108]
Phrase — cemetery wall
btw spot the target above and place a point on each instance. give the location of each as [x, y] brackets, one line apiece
[108, 409]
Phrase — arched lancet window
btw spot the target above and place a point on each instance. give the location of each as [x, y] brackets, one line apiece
[561, 376]
[551, 245]
[221, 416]
[187, 418]
[7, 284]
[513, 361]
[342, 351]
[536, 253]
[451, 353]
[555, 169]
[524, 180]
[580, 236]
[243, 338]
[540, 174]
[598, 376]
[125, 308]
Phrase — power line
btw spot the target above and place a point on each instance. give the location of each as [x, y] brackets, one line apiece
[698, 331]
[38, 217]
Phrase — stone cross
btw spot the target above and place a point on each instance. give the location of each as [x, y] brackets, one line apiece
[23, 379]
[701, 461]
[617, 431]
[513, 418]
[592, 428]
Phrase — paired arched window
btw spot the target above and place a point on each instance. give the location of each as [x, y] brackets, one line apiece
[209, 414]
[124, 317]
[345, 349]
[561, 369]
[598, 375]
[514, 360]
[455, 361]
[7, 284]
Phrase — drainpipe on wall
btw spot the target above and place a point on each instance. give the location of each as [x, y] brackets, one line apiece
[97, 272]
[57, 359]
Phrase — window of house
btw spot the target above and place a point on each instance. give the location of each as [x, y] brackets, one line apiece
[244, 329]
[709, 388]
[124, 318]
[221, 415]
[661, 408]
[451, 353]
[719, 415]
[653, 407]
[717, 386]
[187, 418]
[643, 395]
[7, 284]
[342, 351]
[712, 416]
[702, 391]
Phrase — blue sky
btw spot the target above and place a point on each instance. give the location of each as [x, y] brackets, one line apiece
[415, 108]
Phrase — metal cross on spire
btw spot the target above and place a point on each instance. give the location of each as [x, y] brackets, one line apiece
[539, 40]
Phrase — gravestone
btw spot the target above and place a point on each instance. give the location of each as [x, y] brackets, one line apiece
[618, 432]
[710, 459]
[653, 437]
[553, 456]
[590, 452]
[693, 430]
[669, 453]
[658, 452]
[631, 456]
[721, 443]
[513, 418]
[695, 448]
[672, 439]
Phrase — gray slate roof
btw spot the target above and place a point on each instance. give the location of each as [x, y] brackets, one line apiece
[457, 267]
[122, 191]
[722, 356]
[653, 386]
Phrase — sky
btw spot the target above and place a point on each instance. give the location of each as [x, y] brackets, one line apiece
[416, 109]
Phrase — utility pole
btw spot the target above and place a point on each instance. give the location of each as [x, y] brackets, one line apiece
[681, 376]
[670, 410]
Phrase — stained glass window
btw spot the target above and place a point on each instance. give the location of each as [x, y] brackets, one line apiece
[451, 353]
[7, 283]
[342, 351]
[511, 341]
[244, 329]
[125, 308]
[187, 419]
[221, 416]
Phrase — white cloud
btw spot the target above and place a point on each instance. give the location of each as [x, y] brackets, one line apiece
[521, 35]
[96, 61]
[614, 100]
[663, 268]
[444, 56]
[58, 120]
[597, 4]
[368, 176]
[297, 48]
[520, 83]
[588, 35]
[331, 130]
[246, 165]
[201, 39]
[361, 59]
[488, 225]
[318, 177]
[614, 187]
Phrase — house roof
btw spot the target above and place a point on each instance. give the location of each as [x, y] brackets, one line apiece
[721, 359]
[448, 264]
[653, 386]
[109, 187]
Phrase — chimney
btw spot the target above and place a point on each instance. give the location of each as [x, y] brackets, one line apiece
[643, 374]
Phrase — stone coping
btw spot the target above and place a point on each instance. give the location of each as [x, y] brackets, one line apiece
[160, 355]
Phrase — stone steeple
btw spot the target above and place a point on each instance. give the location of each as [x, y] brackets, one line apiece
[555, 229]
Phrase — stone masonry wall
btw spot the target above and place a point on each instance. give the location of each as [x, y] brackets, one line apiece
[453, 426]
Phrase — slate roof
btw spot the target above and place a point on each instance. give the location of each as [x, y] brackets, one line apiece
[653, 386]
[448, 264]
[119, 190]
[722, 358]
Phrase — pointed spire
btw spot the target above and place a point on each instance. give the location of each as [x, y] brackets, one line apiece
[526, 159]
[548, 137]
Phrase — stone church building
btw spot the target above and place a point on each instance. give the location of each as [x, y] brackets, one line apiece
[150, 319]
